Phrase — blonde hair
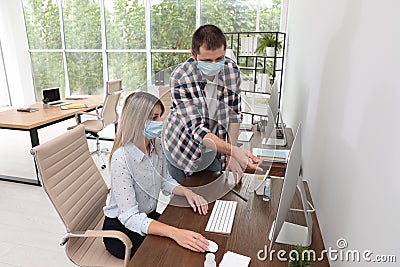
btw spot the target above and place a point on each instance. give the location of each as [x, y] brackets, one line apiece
[136, 110]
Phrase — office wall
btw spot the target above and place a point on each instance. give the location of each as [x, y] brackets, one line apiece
[15, 52]
[342, 82]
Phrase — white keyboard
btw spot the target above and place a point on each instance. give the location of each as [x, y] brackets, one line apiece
[221, 218]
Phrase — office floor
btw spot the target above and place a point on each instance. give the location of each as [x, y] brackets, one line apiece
[30, 229]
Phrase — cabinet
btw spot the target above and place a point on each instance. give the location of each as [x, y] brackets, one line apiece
[259, 68]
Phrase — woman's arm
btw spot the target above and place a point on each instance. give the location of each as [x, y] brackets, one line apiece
[170, 185]
[185, 238]
[122, 187]
[197, 202]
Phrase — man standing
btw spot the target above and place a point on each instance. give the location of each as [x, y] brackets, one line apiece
[203, 123]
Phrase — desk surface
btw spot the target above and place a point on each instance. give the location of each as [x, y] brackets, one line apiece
[249, 235]
[13, 119]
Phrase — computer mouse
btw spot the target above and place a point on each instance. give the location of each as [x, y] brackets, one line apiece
[212, 246]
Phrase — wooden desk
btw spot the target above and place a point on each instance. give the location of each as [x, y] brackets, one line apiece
[32, 121]
[249, 235]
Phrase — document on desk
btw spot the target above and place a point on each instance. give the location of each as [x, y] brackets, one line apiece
[245, 136]
[274, 155]
[73, 106]
[27, 109]
[232, 259]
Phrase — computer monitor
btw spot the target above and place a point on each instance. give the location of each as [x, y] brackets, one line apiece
[274, 107]
[286, 232]
[270, 127]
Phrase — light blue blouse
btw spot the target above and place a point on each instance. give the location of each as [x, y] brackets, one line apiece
[136, 180]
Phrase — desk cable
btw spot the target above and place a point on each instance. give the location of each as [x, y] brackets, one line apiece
[311, 210]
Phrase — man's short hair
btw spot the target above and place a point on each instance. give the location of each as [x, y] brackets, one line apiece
[209, 35]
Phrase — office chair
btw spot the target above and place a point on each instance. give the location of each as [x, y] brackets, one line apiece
[106, 116]
[78, 192]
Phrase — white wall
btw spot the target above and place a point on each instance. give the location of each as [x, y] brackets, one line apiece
[15, 52]
[343, 82]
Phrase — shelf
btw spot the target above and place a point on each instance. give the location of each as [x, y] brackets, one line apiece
[255, 66]
[250, 68]
[255, 104]
[247, 91]
[259, 56]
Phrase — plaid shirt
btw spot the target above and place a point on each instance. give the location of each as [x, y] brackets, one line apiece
[188, 120]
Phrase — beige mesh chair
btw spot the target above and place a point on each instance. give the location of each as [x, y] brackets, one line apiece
[106, 114]
[74, 184]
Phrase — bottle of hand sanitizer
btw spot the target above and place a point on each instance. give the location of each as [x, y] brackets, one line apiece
[210, 260]
[267, 190]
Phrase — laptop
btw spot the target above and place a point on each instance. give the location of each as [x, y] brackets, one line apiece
[53, 94]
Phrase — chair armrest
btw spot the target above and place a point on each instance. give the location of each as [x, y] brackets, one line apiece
[65, 238]
[114, 234]
[104, 233]
[115, 93]
[97, 110]
[111, 234]
[85, 113]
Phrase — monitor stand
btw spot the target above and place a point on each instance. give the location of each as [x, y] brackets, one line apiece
[294, 234]
[276, 141]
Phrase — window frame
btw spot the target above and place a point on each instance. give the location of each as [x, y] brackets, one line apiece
[4, 82]
[148, 49]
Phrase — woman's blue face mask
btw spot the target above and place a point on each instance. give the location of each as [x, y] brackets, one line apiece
[210, 68]
[153, 129]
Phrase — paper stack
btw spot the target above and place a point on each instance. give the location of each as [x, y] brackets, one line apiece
[232, 259]
[273, 155]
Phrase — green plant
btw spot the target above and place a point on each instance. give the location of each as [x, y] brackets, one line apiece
[268, 40]
[45, 100]
[302, 257]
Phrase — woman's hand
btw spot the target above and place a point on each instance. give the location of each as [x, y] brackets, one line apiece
[190, 240]
[197, 202]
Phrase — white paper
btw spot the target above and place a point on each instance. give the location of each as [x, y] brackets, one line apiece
[245, 136]
[232, 259]
[275, 155]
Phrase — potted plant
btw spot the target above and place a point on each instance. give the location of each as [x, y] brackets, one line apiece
[45, 102]
[302, 257]
[268, 44]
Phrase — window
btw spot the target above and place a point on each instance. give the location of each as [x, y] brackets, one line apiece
[77, 45]
[231, 16]
[4, 93]
[82, 24]
[48, 71]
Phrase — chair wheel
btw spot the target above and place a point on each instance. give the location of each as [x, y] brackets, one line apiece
[103, 167]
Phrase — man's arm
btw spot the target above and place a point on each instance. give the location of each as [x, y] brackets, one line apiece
[212, 141]
[243, 157]
[232, 165]
[233, 133]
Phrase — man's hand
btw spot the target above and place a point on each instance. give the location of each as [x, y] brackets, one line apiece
[232, 165]
[245, 159]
